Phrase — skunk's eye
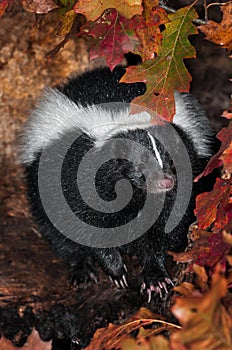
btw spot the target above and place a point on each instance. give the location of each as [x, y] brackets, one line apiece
[144, 158]
[140, 167]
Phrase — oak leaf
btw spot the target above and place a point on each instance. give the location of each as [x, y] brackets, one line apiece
[205, 321]
[211, 207]
[220, 33]
[208, 249]
[148, 30]
[93, 9]
[112, 337]
[223, 155]
[167, 71]
[113, 35]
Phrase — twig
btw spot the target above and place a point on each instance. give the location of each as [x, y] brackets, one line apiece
[168, 9]
[206, 11]
[219, 4]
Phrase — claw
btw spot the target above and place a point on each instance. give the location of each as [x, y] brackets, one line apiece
[93, 277]
[76, 341]
[149, 295]
[143, 286]
[122, 284]
[159, 291]
[117, 284]
[125, 281]
[169, 281]
[164, 287]
[125, 268]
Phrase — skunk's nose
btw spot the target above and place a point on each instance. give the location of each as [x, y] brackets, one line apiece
[167, 182]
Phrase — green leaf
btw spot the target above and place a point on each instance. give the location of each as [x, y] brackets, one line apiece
[167, 71]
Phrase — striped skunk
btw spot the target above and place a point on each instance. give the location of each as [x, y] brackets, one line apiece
[95, 106]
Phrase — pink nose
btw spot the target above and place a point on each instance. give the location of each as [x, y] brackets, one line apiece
[166, 182]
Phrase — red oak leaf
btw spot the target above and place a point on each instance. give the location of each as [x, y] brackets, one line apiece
[208, 203]
[223, 155]
[113, 36]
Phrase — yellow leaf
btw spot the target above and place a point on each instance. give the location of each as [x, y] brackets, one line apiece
[67, 22]
[93, 9]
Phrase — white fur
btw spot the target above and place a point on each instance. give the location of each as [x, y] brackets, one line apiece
[56, 114]
[158, 157]
[192, 119]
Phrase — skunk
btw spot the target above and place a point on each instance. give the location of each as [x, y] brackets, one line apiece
[91, 113]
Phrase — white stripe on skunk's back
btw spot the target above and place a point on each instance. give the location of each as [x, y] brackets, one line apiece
[55, 114]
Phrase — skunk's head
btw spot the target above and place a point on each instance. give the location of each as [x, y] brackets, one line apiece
[147, 164]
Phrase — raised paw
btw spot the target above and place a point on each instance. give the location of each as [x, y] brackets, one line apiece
[160, 288]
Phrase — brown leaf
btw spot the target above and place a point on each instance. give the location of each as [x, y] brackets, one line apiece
[211, 206]
[67, 22]
[186, 289]
[226, 158]
[148, 30]
[227, 237]
[215, 253]
[229, 259]
[156, 343]
[208, 250]
[225, 136]
[200, 248]
[33, 343]
[39, 6]
[206, 322]
[202, 278]
[220, 33]
[111, 337]
[93, 9]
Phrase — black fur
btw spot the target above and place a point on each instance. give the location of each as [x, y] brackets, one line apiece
[100, 86]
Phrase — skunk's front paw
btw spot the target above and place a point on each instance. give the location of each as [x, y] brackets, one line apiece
[119, 279]
[111, 262]
[154, 286]
[84, 274]
[156, 279]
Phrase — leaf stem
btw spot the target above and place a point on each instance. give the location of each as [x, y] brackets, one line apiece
[168, 9]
